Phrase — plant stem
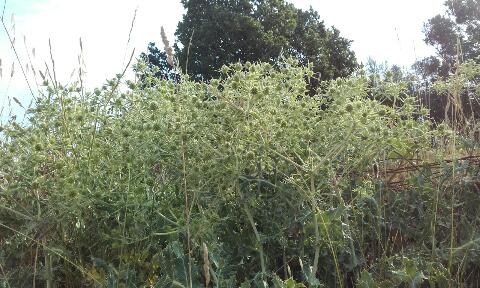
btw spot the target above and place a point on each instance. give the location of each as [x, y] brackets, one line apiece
[315, 223]
[48, 269]
[187, 215]
[259, 240]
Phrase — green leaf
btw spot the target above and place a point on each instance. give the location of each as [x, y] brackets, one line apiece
[366, 280]
[277, 282]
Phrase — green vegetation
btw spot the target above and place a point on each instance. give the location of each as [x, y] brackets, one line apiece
[269, 174]
[240, 182]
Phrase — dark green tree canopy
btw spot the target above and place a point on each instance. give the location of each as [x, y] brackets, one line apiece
[217, 32]
[457, 33]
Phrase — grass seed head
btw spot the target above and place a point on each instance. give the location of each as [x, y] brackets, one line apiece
[167, 48]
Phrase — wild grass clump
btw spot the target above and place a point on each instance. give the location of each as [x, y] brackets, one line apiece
[239, 182]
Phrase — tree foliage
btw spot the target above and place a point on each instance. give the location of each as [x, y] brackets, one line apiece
[213, 33]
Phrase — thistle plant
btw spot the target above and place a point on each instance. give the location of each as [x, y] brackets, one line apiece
[239, 182]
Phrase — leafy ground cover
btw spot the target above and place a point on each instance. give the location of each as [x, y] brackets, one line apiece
[241, 182]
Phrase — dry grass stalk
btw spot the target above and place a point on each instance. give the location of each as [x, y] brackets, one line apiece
[12, 43]
[168, 49]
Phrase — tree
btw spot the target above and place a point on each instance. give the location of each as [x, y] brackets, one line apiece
[217, 32]
[224, 32]
[455, 34]
[325, 48]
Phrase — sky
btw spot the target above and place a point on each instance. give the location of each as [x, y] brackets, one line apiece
[385, 30]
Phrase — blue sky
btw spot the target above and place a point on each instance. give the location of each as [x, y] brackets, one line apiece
[385, 30]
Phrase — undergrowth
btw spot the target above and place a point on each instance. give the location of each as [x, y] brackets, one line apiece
[239, 182]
